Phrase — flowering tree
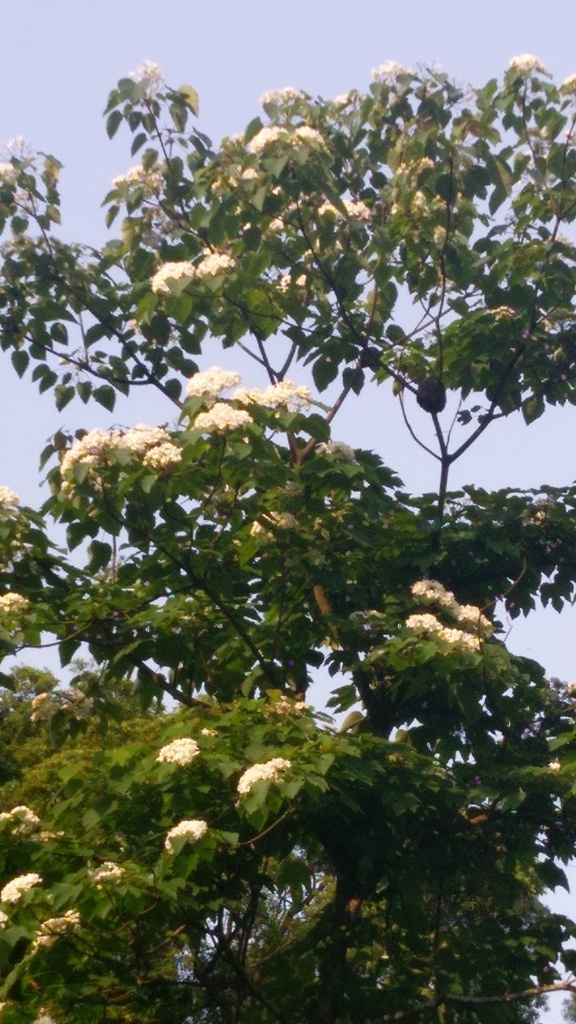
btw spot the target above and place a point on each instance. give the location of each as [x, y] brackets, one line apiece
[247, 861]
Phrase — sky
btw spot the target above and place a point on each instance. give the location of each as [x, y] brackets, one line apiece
[60, 60]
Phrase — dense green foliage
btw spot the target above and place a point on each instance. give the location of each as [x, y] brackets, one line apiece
[240, 858]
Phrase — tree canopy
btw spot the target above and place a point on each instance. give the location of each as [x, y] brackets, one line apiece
[240, 857]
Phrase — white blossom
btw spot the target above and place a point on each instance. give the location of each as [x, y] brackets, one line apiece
[208, 732]
[357, 209]
[192, 830]
[283, 706]
[212, 383]
[304, 135]
[301, 136]
[163, 456]
[22, 818]
[90, 450]
[266, 137]
[269, 771]
[148, 71]
[18, 145]
[4, 919]
[13, 604]
[108, 871]
[213, 264]
[7, 495]
[284, 393]
[6, 170]
[554, 766]
[54, 927]
[151, 177]
[280, 96]
[178, 271]
[338, 449]
[14, 889]
[142, 437]
[282, 520]
[431, 590]
[526, 63]
[343, 99]
[247, 175]
[182, 752]
[222, 417]
[569, 84]
[390, 69]
[425, 622]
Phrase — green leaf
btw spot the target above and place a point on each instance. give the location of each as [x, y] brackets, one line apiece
[100, 555]
[20, 361]
[113, 122]
[190, 97]
[105, 395]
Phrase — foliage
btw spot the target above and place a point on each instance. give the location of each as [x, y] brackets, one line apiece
[241, 858]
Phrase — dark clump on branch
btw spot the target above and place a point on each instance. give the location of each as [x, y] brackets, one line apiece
[431, 395]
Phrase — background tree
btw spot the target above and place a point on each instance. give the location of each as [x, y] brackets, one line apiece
[408, 238]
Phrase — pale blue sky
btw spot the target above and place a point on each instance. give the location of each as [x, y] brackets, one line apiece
[60, 59]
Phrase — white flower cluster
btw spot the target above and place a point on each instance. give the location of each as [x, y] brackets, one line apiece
[149, 72]
[269, 771]
[108, 871]
[286, 282]
[212, 264]
[356, 209]
[554, 766]
[287, 707]
[267, 137]
[54, 927]
[14, 889]
[526, 63]
[176, 271]
[141, 437]
[298, 138]
[6, 170]
[390, 69]
[149, 177]
[8, 497]
[281, 520]
[13, 604]
[432, 592]
[222, 417]
[211, 383]
[75, 702]
[90, 449]
[339, 449]
[280, 96]
[180, 752]
[343, 99]
[430, 624]
[22, 818]
[192, 830]
[249, 174]
[284, 393]
[569, 84]
[4, 919]
[153, 444]
[162, 456]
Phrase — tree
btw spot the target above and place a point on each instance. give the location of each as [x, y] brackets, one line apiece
[248, 860]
